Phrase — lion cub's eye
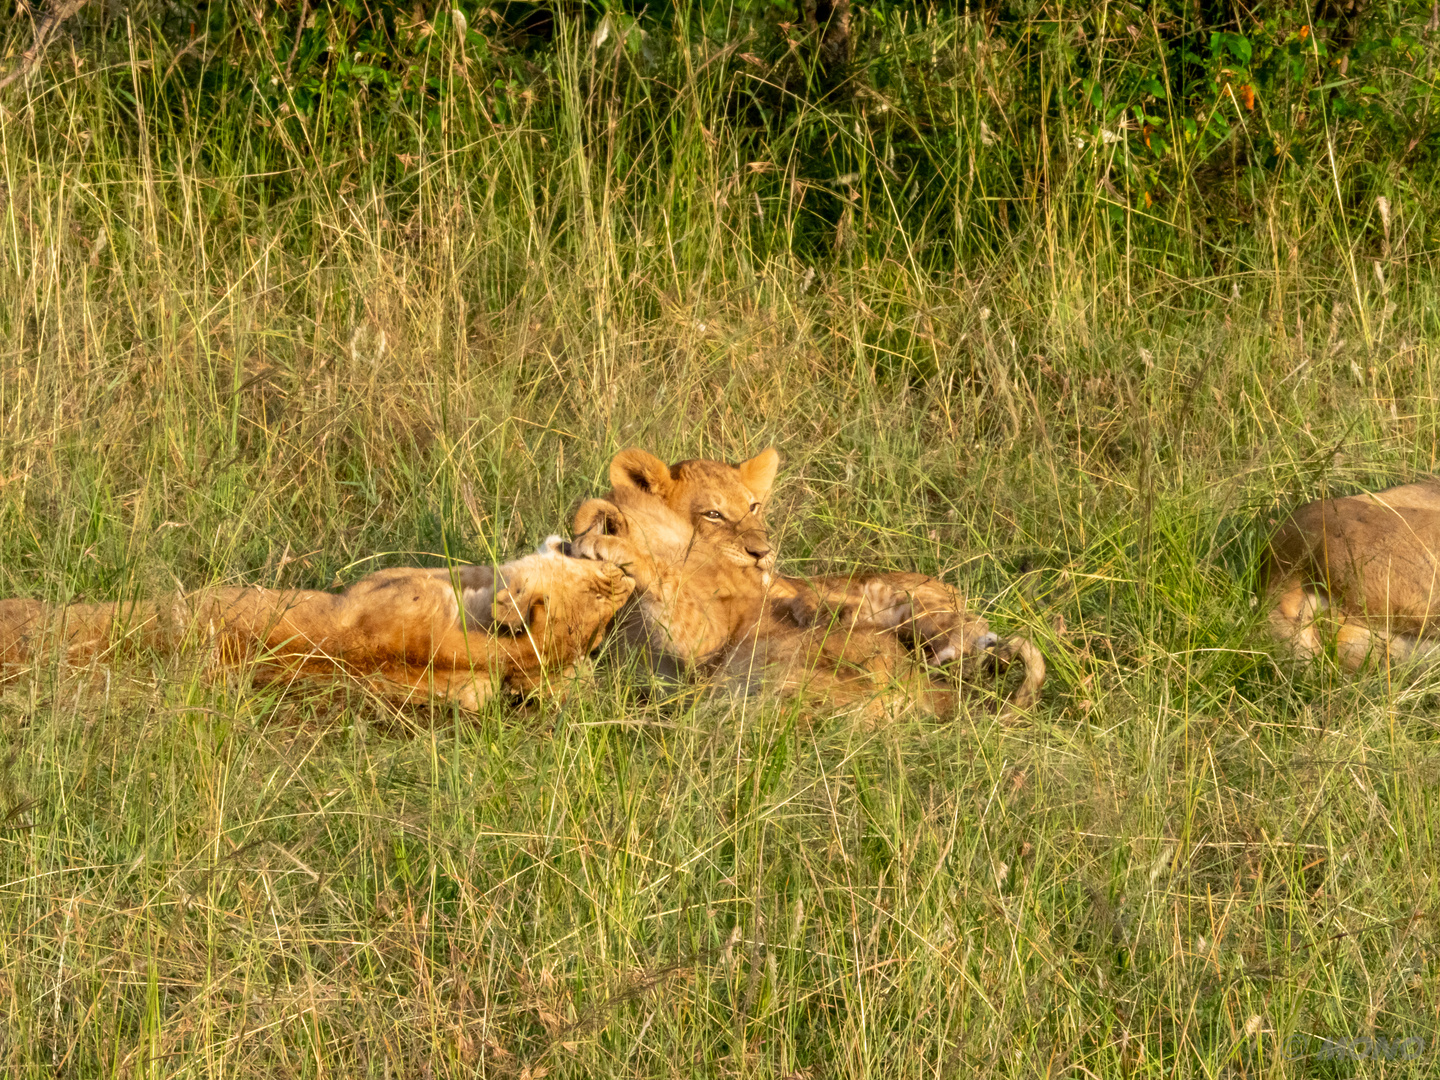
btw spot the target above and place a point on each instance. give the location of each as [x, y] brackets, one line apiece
[714, 515]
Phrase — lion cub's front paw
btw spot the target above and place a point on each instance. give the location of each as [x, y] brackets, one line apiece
[609, 581]
[611, 549]
[883, 606]
[876, 605]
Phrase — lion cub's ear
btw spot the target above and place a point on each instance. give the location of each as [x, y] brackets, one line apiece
[601, 517]
[758, 474]
[636, 468]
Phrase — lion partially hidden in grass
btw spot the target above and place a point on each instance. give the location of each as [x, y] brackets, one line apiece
[1362, 572]
[707, 598]
[461, 634]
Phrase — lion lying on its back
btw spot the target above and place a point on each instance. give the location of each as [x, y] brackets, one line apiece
[462, 635]
[693, 537]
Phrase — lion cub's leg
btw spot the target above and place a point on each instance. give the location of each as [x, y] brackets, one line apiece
[1301, 620]
[827, 665]
[928, 617]
[937, 621]
[927, 614]
[602, 531]
[1028, 692]
[1358, 646]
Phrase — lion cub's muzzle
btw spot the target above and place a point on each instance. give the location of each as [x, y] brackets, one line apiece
[756, 548]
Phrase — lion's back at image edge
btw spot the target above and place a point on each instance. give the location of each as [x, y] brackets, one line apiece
[1360, 571]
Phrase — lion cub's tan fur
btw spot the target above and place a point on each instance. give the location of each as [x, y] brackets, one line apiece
[405, 633]
[708, 598]
[1363, 571]
[693, 538]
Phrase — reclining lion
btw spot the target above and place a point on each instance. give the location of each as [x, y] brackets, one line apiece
[693, 537]
[461, 634]
[1362, 571]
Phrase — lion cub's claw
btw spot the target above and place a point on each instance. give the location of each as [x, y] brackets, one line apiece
[613, 582]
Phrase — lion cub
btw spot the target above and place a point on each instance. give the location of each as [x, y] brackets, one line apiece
[461, 634]
[708, 598]
[1363, 570]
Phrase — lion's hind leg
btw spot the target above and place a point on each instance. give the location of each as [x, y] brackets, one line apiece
[1303, 621]
[1294, 611]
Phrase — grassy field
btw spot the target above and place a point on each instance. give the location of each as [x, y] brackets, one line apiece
[239, 350]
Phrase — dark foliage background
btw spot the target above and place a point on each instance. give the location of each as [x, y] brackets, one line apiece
[971, 123]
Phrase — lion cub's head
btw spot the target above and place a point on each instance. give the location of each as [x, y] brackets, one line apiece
[665, 510]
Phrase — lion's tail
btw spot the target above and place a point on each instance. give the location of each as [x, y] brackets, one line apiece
[1028, 692]
[33, 631]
